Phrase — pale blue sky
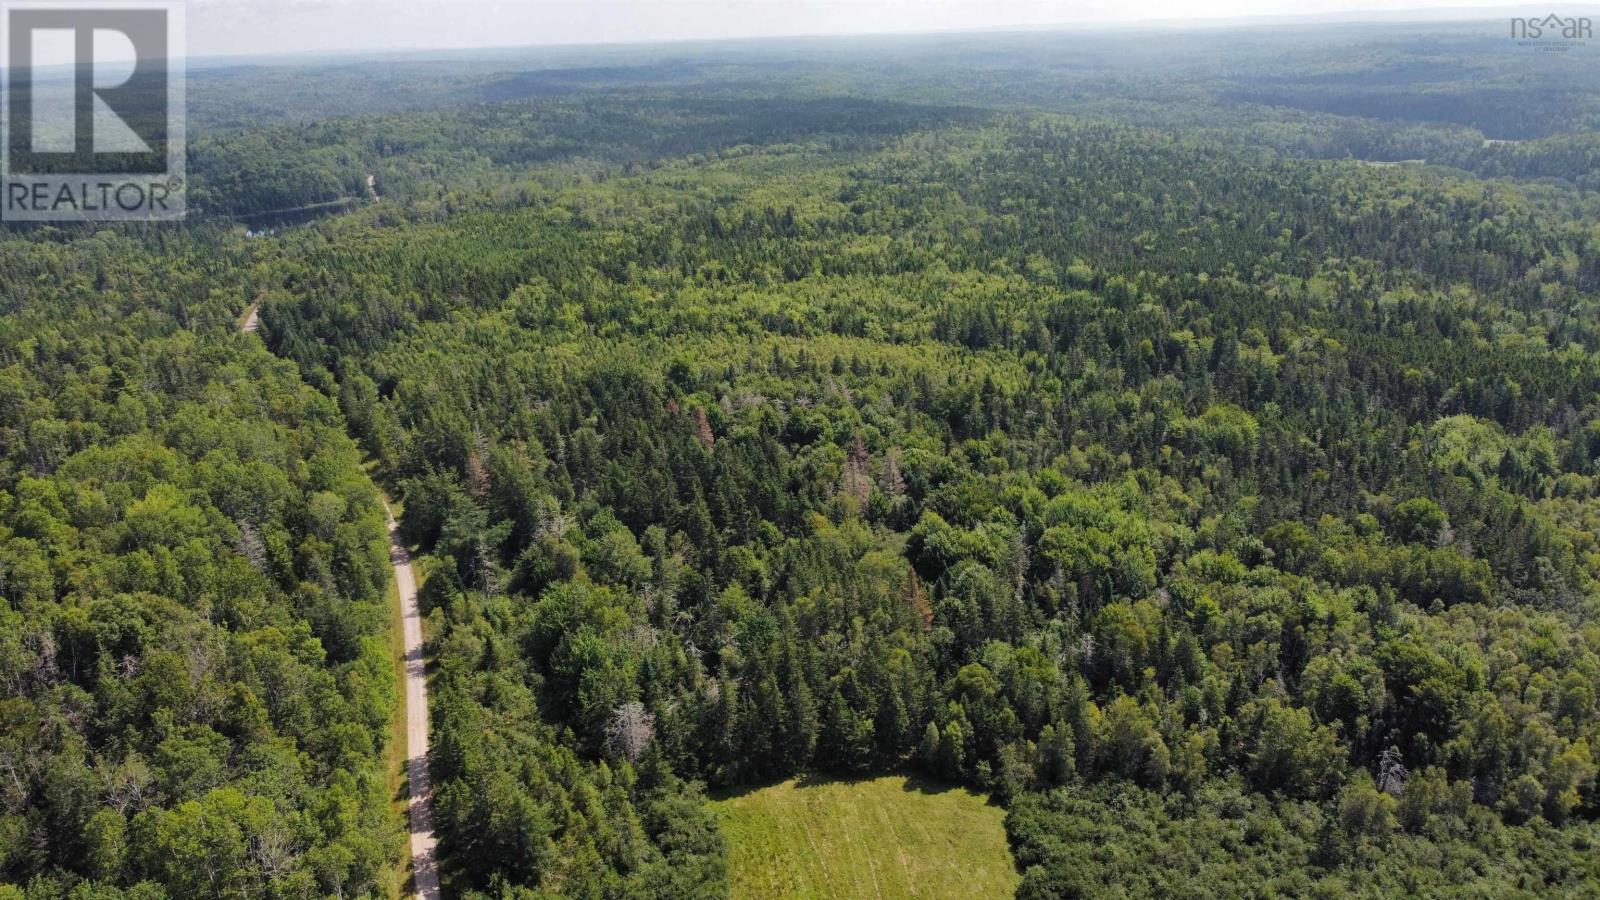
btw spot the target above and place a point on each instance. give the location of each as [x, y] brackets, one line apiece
[228, 27]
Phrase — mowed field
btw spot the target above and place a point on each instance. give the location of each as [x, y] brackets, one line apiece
[884, 838]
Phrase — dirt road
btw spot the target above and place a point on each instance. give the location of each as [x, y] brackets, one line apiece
[424, 864]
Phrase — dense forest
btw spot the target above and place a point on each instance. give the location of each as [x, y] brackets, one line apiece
[1207, 469]
[197, 686]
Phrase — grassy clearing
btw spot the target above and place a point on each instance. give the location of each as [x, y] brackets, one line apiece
[885, 838]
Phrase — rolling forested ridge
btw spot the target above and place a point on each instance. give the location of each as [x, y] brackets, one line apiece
[1198, 459]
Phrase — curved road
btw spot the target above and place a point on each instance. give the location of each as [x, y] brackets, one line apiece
[424, 862]
[424, 865]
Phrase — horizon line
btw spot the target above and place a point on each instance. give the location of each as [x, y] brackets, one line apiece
[1453, 15]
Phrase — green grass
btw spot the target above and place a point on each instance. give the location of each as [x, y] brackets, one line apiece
[883, 838]
[400, 884]
[394, 754]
